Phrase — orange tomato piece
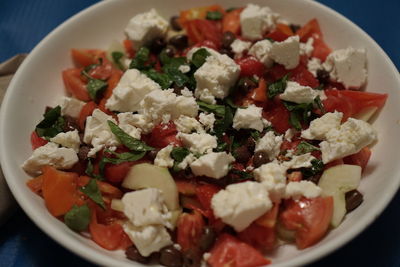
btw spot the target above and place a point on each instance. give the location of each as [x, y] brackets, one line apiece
[86, 57]
[35, 184]
[198, 13]
[74, 84]
[231, 21]
[284, 28]
[260, 93]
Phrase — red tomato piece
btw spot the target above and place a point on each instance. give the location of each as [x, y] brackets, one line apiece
[310, 219]
[259, 94]
[103, 71]
[231, 21]
[204, 193]
[230, 252]
[321, 49]
[198, 13]
[74, 84]
[199, 30]
[163, 135]
[116, 173]
[35, 185]
[361, 158]
[128, 45]
[86, 111]
[310, 29]
[302, 76]
[189, 230]
[250, 66]
[269, 218]
[278, 115]
[37, 141]
[187, 188]
[278, 35]
[259, 237]
[86, 57]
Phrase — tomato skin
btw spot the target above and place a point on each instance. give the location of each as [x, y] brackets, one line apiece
[164, 135]
[86, 111]
[190, 227]
[37, 141]
[231, 21]
[259, 237]
[302, 76]
[103, 71]
[128, 45]
[204, 194]
[312, 29]
[277, 114]
[35, 184]
[259, 94]
[197, 13]
[361, 158]
[74, 84]
[250, 66]
[86, 57]
[321, 49]
[278, 35]
[230, 252]
[199, 30]
[310, 218]
[187, 188]
[116, 173]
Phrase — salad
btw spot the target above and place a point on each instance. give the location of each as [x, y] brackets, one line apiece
[208, 140]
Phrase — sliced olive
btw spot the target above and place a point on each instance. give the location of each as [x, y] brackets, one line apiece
[250, 144]
[179, 41]
[152, 154]
[207, 239]
[171, 257]
[323, 76]
[226, 51]
[133, 254]
[227, 39]
[157, 45]
[245, 85]
[353, 199]
[260, 158]
[170, 51]
[174, 22]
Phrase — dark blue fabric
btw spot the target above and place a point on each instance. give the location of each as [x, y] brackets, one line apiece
[24, 23]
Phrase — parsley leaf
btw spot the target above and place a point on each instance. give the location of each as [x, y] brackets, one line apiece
[141, 57]
[199, 57]
[52, 123]
[93, 192]
[214, 15]
[277, 87]
[117, 56]
[78, 218]
[127, 140]
[305, 147]
[218, 110]
[316, 168]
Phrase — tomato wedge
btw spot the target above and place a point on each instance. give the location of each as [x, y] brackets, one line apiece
[86, 57]
[199, 30]
[361, 158]
[163, 135]
[37, 141]
[190, 227]
[250, 66]
[198, 13]
[312, 29]
[231, 21]
[74, 84]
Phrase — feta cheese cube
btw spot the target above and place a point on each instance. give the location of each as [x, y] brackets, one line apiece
[313, 65]
[143, 28]
[347, 66]
[198, 142]
[307, 48]
[299, 161]
[289, 134]
[270, 144]
[296, 190]
[141, 121]
[248, 118]
[350, 138]
[207, 120]
[240, 204]
[321, 126]
[50, 154]
[149, 238]
[187, 124]
[146, 207]
[163, 157]
[214, 165]
[286, 53]
[69, 139]
[186, 161]
[261, 50]
[126, 122]
[70, 106]
[185, 105]
[239, 47]
[256, 20]
[273, 176]
[299, 94]
[131, 89]
[215, 77]
[98, 132]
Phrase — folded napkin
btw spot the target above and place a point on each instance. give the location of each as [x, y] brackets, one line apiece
[7, 70]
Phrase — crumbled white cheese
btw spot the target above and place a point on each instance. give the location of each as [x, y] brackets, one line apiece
[207, 120]
[186, 92]
[270, 144]
[313, 65]
[299, 94]
[143, 28]
[240, 204]
[273, 176]
[186, 161]
[321, 126]
[69, 139]
[184, 68]
[131, 89]
[299, 161]
[248, 118]
[50, 154]
[141, 121]
[214, 165]
[261, 50]
[256, 20]
[289, 134]
[286, 53]
[307, 48]
[296, 190]
[187, 124]
[70, 106]
[347, 66]
[239, 47]
[198, 142]
[163, 157]
[127, 124]
[193, 50]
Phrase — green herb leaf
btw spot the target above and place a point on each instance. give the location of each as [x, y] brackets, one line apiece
[225, 123]
[179, 153]
[305, 147]
[242, 174]
[89, 171]
[218, 110]
[316, 168]
[319, 87]
[52, 124]
[117, 56]
[214, 15]
[255, 135]
[199, 57]
[299, 113]
[95, 87]
[141, 57]
[319, 104]
[295, 120]
[127, 140]
[277, 87]
[78, 218]
[221, 146]
[172, 70]
[161, 78]
[93, 192]
[230, 9]
[119, 158]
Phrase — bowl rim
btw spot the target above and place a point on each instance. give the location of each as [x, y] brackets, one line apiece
[67, 241]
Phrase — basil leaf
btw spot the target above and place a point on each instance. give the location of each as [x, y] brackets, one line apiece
[295, 120]
[127, 140]
[95, 87]
[89, 171]
[52, 123]
[316, 168]
[141, 57]
[225, 123]
[78, 218]
[305, 147]
[179, 153]
[277, 87]
[117, 56]
[221, 146]
[218, 110]
[255, 135]
[230, 9]
[161, 78]
[299, 113]
[93, 192]
[199, 57]
[214, 15]
[230, 103]
[242, 175]
[319, 104]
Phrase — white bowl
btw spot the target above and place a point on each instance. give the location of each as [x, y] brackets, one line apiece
[38, 83]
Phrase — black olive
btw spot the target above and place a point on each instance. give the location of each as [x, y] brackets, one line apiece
[314, 178]
[157, 45]
[207, 239]
[133, 254]
[192, 258]
[152, 154]
[250, 144]
[174, 22]
[294, 27]
[323, 76]
[170, 257]
[260, 158]
[353, 199]
[179, 41]
[227, 51]
[245, 85]
[170, 51]
[242, 154]
[70, 124]
[83, 152]
[227, 39]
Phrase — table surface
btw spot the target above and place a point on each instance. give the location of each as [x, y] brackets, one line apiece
[24, 23]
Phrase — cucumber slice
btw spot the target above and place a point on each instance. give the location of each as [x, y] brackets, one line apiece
[366, 113]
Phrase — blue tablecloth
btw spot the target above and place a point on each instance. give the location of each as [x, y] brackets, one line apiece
[24, 23]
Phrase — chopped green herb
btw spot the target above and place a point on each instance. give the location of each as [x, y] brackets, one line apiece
[221, 146]
[299, 113]
[242, 174]
[117, 56]
[221, 125]
[93, 192]
[218, 110]
[214, 15]
[255, 135]
[89, 171]
[229, 102]
[127, 140]
[161, 78]
[78, 218]
[230, 9]
[319, 104]
[96, 87]
[319, 87]
[305, 147]
[140, 59]
[52, 123]
[172, 70]
[270, 39]
[178, 154]
[199, 57]
[277, 87]
[316, 168]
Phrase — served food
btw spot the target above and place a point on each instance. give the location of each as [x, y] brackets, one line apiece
[210, 139]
